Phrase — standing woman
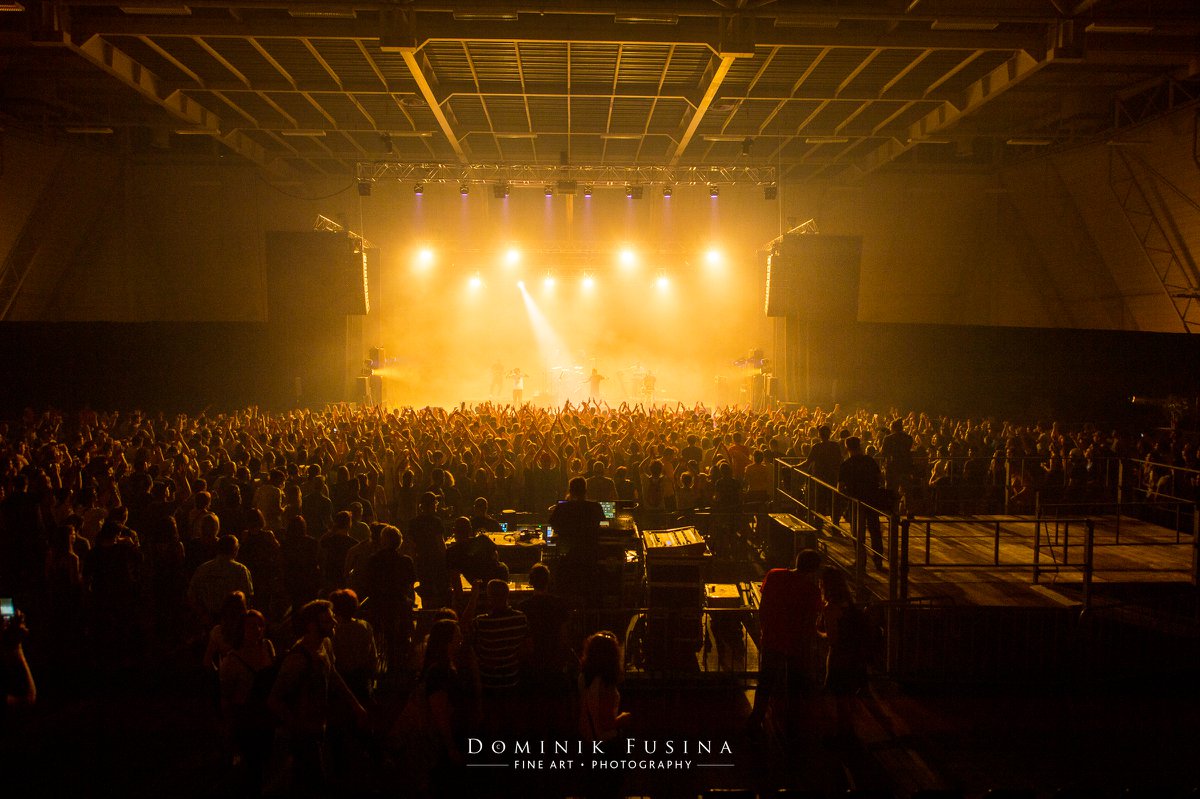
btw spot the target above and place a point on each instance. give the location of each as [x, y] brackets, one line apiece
[438, 714]
[247, 675]
[847, 630]
[600, 716]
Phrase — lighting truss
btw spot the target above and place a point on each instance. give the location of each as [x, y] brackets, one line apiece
[538, 176]
[328, 225]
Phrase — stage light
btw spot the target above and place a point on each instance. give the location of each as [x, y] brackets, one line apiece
[627, 257]
[663, 282]
[512, 256]
[425, 256]
[629, 192]
[500, 191]
[364, 188]
[476, 281]
[548, 190]
[770, 191]
[713, 257]
[667, 192]
[713, 192]
[464, 189]
[548, 282]
[587, 192]
[521, 285]
[419, 189]
[588, 283]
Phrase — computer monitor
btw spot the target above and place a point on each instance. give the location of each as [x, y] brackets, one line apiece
[609, 508]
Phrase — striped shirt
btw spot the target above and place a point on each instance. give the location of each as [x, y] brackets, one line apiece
[498, 639]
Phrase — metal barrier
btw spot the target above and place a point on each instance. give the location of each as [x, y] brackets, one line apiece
[1064, 535]
[811, 496]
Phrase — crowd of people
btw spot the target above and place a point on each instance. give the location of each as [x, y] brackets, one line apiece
[295, 549]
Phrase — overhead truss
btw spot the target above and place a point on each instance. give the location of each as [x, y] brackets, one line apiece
[542, 175]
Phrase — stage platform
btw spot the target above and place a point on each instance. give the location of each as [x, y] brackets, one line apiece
[991, 561]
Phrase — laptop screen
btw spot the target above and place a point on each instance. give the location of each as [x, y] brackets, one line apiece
[609, 508]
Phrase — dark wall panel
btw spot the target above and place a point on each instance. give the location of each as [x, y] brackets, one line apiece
[166, 366]
[313, 274]
[1014, 373]
[815, 277]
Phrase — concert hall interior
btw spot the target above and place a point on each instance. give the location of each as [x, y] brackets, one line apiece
[610, 398]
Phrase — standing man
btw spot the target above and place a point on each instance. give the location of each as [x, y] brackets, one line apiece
[787, 616]
[593, 382]
[576, 522]
[898, 468]
[518, 386]
[825, 459]
[428, 537]
[859, 478]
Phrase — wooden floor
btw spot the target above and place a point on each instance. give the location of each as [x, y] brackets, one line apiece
[963, 564]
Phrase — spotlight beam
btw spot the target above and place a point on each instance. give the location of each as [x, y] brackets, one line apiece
[548, 341]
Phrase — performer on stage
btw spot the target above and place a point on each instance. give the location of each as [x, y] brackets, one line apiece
[518, 385]
[593, 382]
[648, 383]
[497, 385]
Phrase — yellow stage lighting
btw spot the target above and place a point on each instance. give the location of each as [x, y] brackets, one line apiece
[512, 256]
[589, 283]
[475, 282]
[425, 256]
[663, 282]
[713, 257]
[548, 282]
[627, 257]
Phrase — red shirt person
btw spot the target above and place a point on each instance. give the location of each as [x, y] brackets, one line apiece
[791, 602]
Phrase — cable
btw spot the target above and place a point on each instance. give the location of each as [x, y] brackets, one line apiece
[347, 188]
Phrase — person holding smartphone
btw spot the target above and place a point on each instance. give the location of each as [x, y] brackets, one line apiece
[19, 688]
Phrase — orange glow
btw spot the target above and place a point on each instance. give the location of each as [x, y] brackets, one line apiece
[609, 288]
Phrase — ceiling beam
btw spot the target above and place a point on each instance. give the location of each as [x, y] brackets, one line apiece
[409, 54]
[1004, 77]
[662, 79]
[554, 28]
[166, 55]
[270, 59]
[902, 74]
[794, 11]
[812, 65]
[461, 88]
[710, 92]
[222, 60]
[137, 77]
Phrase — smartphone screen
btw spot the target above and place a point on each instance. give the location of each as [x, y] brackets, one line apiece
[7, 610]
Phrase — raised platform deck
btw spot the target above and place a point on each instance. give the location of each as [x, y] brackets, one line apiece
[964, 560]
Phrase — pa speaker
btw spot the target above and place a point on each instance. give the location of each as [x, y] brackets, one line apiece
[314, 274]
[815, 277]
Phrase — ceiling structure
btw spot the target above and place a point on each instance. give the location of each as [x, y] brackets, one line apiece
[758, 90]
